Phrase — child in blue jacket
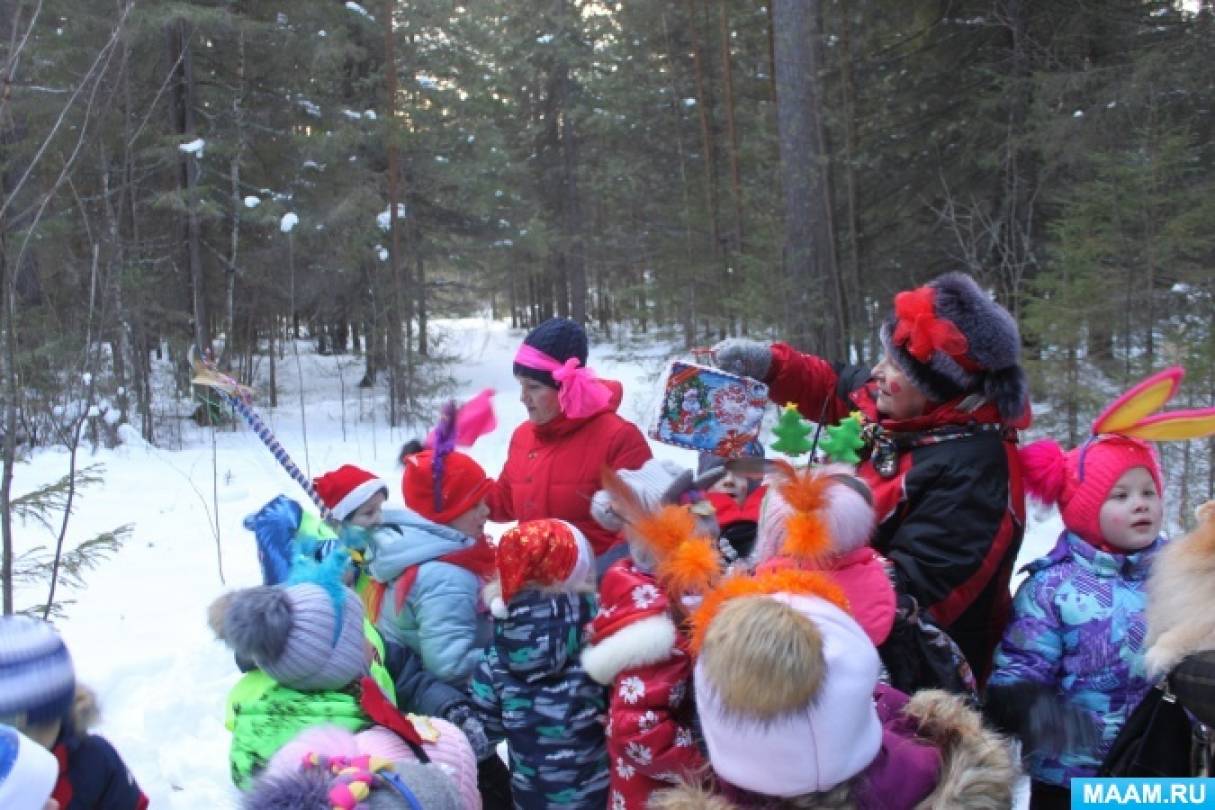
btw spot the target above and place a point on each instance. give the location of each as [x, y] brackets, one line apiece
[530, 688]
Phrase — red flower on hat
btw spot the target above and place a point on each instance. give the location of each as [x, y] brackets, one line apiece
[920, 331]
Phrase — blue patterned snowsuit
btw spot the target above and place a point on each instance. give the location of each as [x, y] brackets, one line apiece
[530, 689]
[1078, 623]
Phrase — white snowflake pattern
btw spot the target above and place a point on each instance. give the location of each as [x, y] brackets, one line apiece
[668, 776]
[623, 769]
[645, 595]
[618, 802]
[683, 738]
[632, 689]
[647, 721]
[678, 692]
[641, 754]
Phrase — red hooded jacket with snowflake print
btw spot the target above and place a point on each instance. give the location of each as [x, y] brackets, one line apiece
[637, 650]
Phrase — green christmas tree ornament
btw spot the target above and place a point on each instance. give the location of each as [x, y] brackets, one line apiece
[844, 440]
[791, 432]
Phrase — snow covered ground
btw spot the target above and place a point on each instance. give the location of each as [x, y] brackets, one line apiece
[138, 631]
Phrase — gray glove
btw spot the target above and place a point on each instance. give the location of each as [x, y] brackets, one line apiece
[462, 715]
[748, 358]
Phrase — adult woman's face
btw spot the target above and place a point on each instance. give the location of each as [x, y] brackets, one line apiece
[539, 399]
[897, 398]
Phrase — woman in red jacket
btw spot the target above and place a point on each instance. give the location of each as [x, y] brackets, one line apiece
[572, 432]
[942, 410]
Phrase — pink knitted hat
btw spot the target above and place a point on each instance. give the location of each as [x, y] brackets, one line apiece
[849, 516]
[1081, 480]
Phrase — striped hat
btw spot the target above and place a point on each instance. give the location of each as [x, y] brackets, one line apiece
[37, 680]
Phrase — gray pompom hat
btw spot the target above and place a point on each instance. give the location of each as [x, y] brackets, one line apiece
[305, 636]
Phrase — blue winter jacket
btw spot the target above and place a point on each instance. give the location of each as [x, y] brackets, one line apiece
[1078, 624]
[440, 619]
[531, 689]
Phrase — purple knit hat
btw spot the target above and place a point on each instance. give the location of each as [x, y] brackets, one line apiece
[950, 339]
[305, 636]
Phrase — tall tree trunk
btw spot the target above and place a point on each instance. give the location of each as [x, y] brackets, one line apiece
[708, 145]
[395, 314]
[181, 111]
[852, 275]
[573, 245]
[238, 115]
[808, 250]
[727, 70]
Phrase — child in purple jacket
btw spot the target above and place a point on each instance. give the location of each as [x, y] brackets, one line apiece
[1071, 665]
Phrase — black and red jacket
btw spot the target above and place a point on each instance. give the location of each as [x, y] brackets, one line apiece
[952, 512]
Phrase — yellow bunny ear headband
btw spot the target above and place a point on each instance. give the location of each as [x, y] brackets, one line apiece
[1134, 414]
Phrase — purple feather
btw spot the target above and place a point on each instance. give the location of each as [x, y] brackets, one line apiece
[442, 441]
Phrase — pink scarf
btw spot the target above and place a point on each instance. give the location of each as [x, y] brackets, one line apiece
[580, 393]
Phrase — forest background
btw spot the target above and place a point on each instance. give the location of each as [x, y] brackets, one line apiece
[237, 176]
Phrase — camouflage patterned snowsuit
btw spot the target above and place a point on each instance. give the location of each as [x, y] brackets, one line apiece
[531, 690]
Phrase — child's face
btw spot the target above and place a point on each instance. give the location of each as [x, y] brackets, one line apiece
[472, 522]
[734, 484]
[897, 398]
[1131, 515]
[370, 513]
[539, 399]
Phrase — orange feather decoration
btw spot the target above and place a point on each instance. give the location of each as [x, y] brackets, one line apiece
[807, 535]
[793, 581]
[691, 567]
[803, 490]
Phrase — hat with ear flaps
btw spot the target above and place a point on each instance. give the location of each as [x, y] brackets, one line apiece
[1079, 480]
[668, 539]
[813, 513]
[950, 338]
[780, 668]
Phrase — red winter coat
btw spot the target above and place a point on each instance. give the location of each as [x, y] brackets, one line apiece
[552, 470]
[951, 517]
[636, 648]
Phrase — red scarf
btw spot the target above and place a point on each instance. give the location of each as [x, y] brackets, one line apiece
[480, 559]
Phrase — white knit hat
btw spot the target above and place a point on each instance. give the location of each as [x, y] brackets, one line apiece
[821, 743]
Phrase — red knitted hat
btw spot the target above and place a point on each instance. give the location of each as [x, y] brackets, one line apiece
[464, 484]
[1080, 481]
[544, 552]
[347, 488]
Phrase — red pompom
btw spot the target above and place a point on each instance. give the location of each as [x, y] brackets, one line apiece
[1045, 470]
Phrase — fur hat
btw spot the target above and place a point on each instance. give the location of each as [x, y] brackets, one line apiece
[1079, 481]
[549, 553]
[658, 482]
[28, 771]
[560, 339]
[321, 784]
[777, 676]
[306, 636]
[950, 338]
[463, 485]
[839, 519]
[445, 744]
[347, 488]
[37, 679]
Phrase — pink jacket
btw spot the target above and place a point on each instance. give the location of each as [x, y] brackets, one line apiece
[862, 575]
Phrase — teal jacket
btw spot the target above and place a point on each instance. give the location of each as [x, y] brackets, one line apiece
[441, 618]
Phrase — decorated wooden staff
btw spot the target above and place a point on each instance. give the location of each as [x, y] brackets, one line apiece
[240, 397]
